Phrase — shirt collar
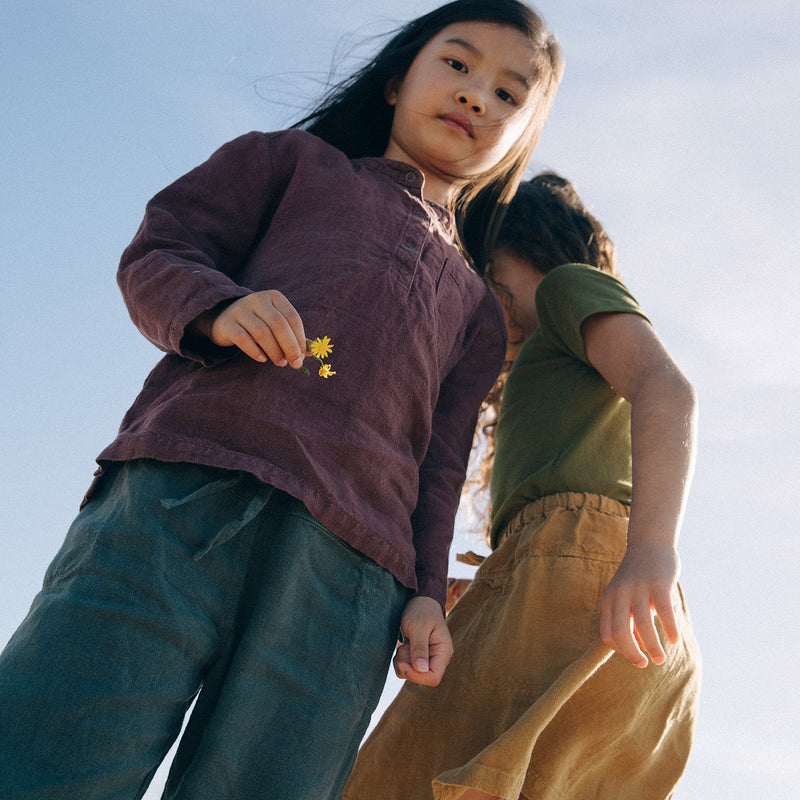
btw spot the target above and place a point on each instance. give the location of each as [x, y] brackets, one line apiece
[412, 179]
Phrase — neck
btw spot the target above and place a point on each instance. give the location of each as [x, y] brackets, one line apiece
[438, 188]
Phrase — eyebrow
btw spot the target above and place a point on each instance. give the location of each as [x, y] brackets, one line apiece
[525, 81]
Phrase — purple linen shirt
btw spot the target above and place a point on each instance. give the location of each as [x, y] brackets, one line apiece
[377, 452]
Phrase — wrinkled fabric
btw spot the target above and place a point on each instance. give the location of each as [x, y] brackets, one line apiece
[285, 631]
[378, 451]
[561, 426]
[532, 701]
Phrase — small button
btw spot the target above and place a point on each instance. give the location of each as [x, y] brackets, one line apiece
[411, 177]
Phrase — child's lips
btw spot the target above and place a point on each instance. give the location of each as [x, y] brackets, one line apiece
[459, 121]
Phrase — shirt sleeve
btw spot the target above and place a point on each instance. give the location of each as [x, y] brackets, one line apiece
[444, 467]
[570, 294]
[195, 237]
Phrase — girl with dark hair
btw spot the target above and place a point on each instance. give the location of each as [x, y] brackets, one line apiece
[356, 118]
[257, 536]
[594, 452]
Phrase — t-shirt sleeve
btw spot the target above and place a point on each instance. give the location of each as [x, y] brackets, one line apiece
[569, 295]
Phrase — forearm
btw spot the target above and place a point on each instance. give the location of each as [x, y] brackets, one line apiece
[629, 355]
[663, 434]
[663, 421]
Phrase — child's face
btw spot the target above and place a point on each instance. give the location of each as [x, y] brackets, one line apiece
[515, 281]
[468, 95]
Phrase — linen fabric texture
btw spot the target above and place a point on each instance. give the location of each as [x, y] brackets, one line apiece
[532, 700]
[377, 452]
[562, 428]
[180, 576]
[254, 530]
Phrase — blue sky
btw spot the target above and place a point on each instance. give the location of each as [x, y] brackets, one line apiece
[677, 121]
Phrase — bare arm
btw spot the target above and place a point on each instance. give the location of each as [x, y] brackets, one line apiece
[626, 351]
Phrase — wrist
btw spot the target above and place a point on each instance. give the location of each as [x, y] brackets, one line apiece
[201, 326]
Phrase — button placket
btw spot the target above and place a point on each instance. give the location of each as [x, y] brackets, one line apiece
[412, 239]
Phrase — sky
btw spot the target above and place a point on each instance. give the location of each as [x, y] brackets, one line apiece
[677, 122]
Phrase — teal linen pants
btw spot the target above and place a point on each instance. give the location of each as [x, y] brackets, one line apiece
[176, 579]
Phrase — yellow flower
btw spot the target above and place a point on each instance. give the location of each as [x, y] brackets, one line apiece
[320, 347]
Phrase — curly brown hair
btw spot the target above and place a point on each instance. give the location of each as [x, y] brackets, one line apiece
[546, 225]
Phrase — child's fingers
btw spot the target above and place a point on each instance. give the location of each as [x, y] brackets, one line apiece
[427, 646]
[251, 335]
[406, 667]
[411, 656]
[419, 652]
[263, 325]
[274, 326]
[402, 661]
[288, 329]
[617, 632]
[427, 678]
[628, 626]
[439, 656]
[662, 605]
[645, 630]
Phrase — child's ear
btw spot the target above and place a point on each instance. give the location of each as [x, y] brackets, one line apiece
[392, 90]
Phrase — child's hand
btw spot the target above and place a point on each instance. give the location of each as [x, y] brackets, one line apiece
[641, 588]
[263, 325]
[427, 647]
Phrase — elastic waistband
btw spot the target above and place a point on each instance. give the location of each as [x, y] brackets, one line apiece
[567, 500]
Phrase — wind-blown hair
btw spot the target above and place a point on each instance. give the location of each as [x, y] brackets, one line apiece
[545, 225]
[356, 118]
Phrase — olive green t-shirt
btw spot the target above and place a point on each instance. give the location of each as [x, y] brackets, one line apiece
[561, 427]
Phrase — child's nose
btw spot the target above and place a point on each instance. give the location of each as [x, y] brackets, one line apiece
[471, 100]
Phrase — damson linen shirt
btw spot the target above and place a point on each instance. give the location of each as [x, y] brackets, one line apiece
[378, 451]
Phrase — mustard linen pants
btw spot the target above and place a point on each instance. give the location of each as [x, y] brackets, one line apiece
[533, 702]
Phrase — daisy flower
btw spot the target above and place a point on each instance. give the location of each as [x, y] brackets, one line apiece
[320, 347]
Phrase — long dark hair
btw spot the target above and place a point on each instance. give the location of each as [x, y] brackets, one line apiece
[355, 117]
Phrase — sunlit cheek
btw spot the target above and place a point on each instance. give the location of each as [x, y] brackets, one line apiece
[518, 125]
[507, 133]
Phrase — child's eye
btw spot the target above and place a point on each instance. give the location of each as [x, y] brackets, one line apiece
[505, 96]
[456, 64]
